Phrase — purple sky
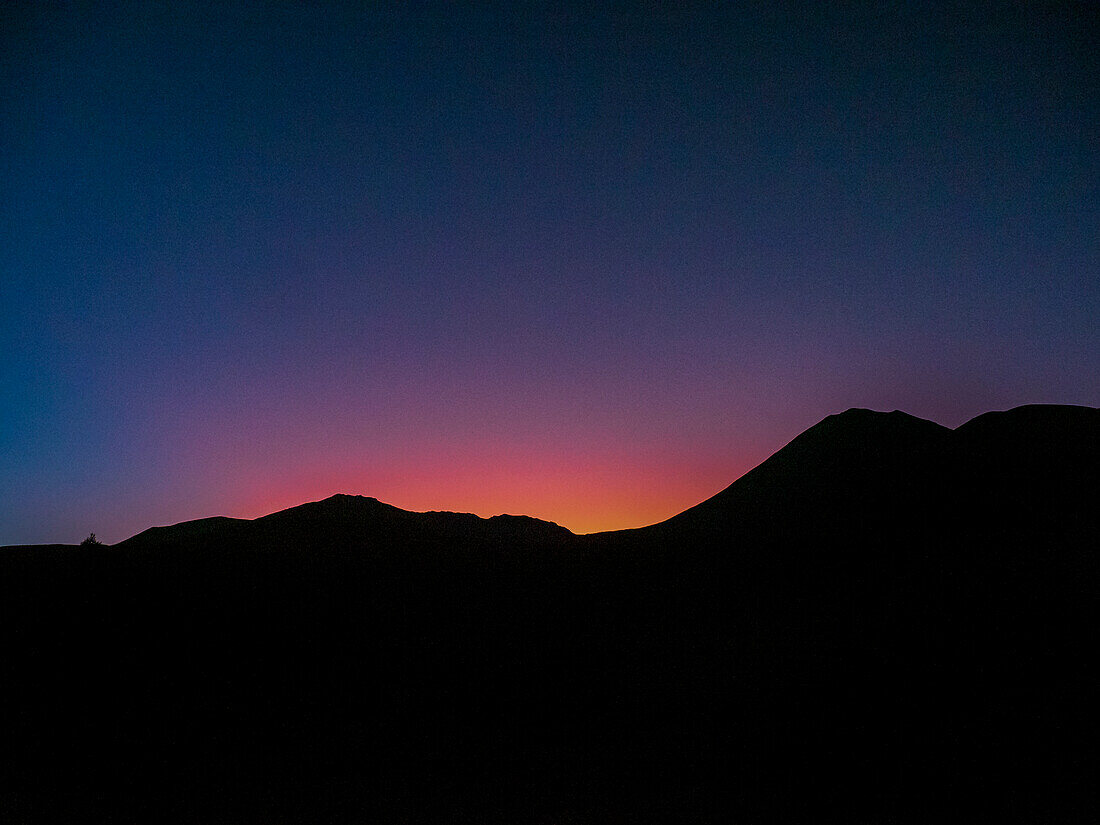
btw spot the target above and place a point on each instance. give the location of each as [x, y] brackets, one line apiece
[589, 266]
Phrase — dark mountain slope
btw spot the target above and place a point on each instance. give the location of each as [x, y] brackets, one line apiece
[920, 604]
[1033, 474]
[886, 621]
[850, 464]
[217, 527]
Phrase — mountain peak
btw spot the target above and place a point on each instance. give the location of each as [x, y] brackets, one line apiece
[857, 447]
[859, 427]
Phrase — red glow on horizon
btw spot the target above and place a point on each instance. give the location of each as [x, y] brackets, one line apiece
[594, 497]
[585, 482]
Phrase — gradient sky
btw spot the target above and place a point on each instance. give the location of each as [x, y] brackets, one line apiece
[586, 265]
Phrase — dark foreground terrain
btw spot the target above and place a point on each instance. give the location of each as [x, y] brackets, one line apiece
[886, 622]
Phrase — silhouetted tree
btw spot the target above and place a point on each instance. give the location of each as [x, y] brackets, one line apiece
[90, 541]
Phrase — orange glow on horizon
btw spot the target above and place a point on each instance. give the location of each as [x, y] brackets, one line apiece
[594, 497]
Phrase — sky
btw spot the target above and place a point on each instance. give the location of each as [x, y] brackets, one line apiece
[589, 265]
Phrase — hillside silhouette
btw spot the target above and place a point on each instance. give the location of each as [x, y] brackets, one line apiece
[886, 621]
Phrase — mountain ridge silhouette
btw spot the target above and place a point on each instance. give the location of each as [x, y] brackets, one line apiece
[854, 429]
[886, 620]
[351, 509]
